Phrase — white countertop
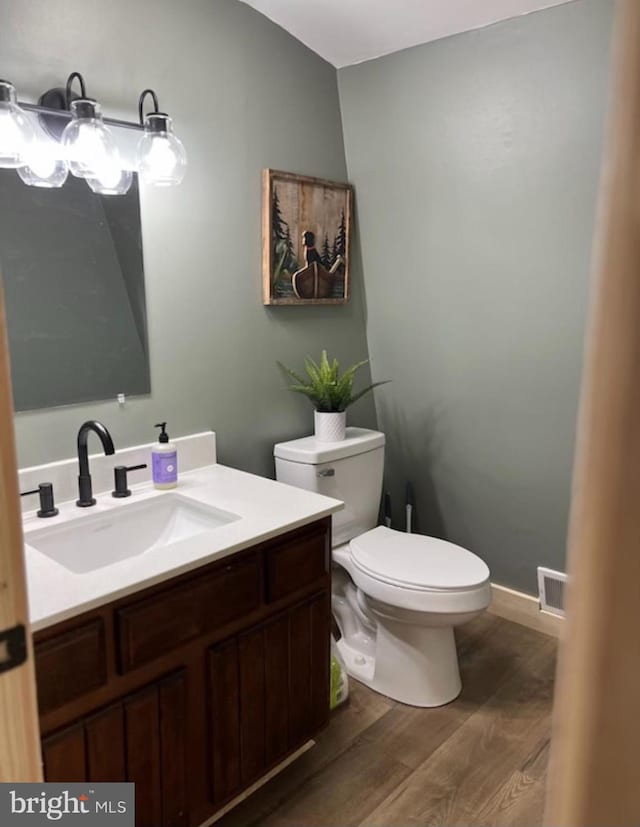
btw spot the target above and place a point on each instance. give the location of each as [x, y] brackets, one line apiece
[265, 509]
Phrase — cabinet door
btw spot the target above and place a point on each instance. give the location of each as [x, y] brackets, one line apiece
[268, 694]
[142, 739]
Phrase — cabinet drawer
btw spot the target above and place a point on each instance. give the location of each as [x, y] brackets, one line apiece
[296, 564]
[70, 665]
[148, 628]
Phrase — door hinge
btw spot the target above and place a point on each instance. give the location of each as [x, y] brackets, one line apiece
[13, 648]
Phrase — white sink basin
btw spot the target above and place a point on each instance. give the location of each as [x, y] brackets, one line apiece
[94, 541]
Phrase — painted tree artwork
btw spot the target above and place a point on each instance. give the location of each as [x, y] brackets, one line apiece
[306, 238]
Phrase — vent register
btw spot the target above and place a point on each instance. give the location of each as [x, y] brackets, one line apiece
[552, 587]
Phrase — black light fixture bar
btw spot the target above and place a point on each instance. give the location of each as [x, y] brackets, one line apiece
[56, 103]
[64, 113]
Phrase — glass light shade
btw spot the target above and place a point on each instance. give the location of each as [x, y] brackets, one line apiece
[90, 146]
[44, 165]
[112, 181]
[161, 156]
[15, 130]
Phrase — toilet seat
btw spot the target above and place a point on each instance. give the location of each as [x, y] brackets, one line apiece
[417, 562]
[416, 573]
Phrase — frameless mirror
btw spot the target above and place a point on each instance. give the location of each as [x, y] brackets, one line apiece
[72, 269]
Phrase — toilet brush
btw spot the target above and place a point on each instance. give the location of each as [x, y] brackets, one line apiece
[409, 506]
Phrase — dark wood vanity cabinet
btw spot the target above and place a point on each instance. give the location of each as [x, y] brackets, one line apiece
[195, 688]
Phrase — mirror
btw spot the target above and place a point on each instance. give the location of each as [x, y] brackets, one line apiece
[72, 267]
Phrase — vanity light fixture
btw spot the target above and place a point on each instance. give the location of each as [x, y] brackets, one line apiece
[161, 156]
[73, 136]
[15, 130]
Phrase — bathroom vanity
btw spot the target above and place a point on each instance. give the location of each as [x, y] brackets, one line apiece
[212, 671]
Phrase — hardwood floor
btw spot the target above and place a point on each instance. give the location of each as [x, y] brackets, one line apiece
[481, 760]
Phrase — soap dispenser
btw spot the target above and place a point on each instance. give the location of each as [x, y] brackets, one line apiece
[164, 460]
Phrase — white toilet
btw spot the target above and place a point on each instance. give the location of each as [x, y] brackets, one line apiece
[396, 596]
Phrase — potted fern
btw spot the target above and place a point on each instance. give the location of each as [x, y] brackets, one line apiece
[330, 393]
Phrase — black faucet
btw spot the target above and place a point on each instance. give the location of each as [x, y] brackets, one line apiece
[84, 479]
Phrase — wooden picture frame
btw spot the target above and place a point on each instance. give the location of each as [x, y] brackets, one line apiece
[306, 239]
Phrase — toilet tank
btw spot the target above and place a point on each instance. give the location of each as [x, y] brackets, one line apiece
[350, 471]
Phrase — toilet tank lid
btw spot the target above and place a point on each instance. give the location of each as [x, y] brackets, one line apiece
[311, 452]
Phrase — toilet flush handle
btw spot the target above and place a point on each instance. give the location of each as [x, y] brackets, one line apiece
[326, 472]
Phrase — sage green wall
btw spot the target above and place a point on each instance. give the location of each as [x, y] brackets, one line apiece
[244, 95]
[475, 161]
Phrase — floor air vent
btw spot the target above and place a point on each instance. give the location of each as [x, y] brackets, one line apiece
[551, 585]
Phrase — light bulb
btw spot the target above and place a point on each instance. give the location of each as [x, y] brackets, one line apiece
[161, 156]
[15, 130]
[44, 165]
[112, 180]
[90, 146]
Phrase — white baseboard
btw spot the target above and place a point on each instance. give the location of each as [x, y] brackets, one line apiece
[524, 609]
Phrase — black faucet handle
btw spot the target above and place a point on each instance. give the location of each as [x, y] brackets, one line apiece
[47, 503]
[120, 479]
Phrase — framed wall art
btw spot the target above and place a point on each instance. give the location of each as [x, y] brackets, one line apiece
[306, 236]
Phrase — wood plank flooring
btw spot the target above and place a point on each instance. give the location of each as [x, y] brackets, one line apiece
[481, 760]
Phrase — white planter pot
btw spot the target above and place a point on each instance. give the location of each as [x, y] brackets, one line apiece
[330, 427]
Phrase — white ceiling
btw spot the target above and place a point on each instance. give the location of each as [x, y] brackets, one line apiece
[350, 31]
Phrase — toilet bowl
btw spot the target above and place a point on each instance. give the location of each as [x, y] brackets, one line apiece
[396, 597]
[412, 590]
